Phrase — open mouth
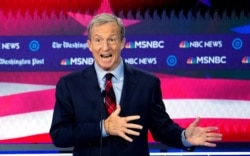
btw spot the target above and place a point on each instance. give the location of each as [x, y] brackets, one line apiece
[106, 56]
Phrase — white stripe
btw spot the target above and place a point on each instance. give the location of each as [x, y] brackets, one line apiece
[21, 125]
[26, 124]
[15, 88]
[207, 108]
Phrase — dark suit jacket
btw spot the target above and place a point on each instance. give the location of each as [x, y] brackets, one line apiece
[79, 109]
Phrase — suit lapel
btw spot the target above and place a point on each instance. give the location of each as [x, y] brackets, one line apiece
[93, 90]
[129, 85]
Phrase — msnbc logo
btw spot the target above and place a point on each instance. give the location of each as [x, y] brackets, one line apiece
[145, 44]
[207, 60]
[65, 62]
[129, 45]
[245, 60]
[184, 44]
[191, 60]
[77, 61]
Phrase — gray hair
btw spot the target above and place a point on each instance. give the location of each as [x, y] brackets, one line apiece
[106, 18]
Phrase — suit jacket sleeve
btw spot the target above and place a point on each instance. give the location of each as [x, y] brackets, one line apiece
[162, 126]
[72, 122]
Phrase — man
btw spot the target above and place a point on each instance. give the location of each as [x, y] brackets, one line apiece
[80, 119]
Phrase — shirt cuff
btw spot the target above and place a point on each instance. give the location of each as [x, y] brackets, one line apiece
[184, 140]
[104, 133]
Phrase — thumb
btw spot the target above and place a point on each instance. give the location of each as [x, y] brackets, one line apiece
[195, 122]
[117, 110]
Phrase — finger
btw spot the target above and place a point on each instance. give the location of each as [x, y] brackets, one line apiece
[209, 144]
[210, 129]
[210, 139]
[132, 132]
[131, 118]
[134, 126]
[214, 137]
[124, 136]
[117, 110]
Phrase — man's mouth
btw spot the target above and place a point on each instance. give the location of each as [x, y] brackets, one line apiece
[106, 56]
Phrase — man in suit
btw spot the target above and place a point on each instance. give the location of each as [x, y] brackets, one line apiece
[80, 119]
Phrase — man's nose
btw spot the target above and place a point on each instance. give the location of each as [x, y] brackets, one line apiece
[105, 45]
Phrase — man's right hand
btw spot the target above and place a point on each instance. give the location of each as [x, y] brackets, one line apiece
[121, 126]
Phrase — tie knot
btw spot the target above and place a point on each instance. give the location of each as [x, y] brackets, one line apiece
[108, 76]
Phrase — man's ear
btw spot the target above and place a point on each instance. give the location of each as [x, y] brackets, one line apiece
[89, 45]
[123, 43]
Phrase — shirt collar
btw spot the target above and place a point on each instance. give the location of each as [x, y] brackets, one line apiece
[117, 72]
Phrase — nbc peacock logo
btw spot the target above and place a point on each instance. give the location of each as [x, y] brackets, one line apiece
[184, 44]
[129, 45]
[191, 60]
[245, 60]
[65, 62]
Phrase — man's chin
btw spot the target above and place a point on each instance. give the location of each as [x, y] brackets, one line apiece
[106, 66]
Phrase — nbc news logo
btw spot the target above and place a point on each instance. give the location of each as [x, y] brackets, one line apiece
[200, 44]
[245, 60]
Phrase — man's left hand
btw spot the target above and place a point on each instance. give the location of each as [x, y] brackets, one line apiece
[202, 136]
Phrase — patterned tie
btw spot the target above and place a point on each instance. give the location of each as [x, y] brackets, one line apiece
[110, 101]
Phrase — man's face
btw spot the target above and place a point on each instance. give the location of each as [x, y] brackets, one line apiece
[106, 45]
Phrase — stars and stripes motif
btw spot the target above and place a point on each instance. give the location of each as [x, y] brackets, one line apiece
[27, 101]
[27, 98]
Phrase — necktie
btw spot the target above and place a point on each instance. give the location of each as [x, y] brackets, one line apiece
[110, 101]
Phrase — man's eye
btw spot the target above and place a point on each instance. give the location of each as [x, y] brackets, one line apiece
[98, 40]
[112, 40]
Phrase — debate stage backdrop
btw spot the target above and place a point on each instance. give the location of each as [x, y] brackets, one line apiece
[199, 50]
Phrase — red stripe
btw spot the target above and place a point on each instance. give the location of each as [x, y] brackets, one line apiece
[193, 88]
[49, 78]
[34, 139]
[233, 130]
[27, 102]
